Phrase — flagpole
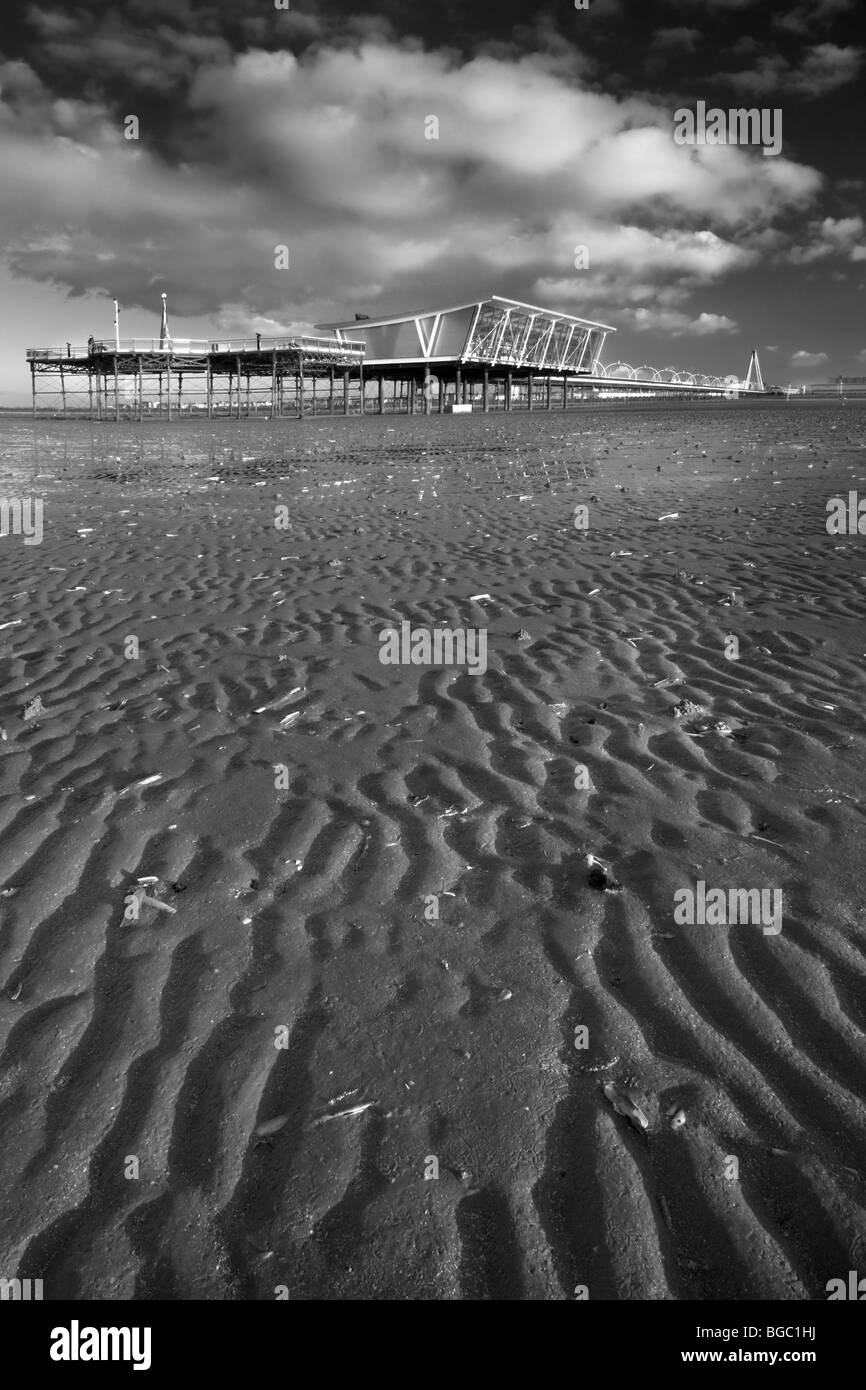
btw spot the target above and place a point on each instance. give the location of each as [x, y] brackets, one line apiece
[116, 327]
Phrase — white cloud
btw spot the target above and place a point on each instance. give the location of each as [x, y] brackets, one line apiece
[679, 324]
[833, 236]
[808, 359]
[327, 154]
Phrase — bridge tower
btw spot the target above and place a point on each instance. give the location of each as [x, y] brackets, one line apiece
[754, 365]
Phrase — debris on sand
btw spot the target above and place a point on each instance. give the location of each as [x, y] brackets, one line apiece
[347, 1114]
[144, 782]
[598, 876]
[140, 898]
[268, 1127]
[522, 635]
[624, 1104]
[284, 700]
[33, 709]
[669, 516]
[601, 1066]
[688, 709]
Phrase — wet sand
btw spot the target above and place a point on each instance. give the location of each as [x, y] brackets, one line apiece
[173, 1090]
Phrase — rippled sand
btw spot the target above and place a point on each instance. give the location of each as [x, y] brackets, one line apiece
[137, 1061]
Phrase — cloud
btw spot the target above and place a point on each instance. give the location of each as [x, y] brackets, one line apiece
[326, 152]
[803, 19]
[824, 68]
[832, 237]
[808, 359]
[679, 324]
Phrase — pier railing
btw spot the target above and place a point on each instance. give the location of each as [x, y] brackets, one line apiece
[182, 347]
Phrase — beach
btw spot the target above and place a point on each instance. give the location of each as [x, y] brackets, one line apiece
[423, 915]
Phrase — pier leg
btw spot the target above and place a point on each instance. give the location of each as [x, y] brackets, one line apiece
[330, 390]
[248, 391]
[98, 396]
[274, 382]
[160, 395]
[410, 386]
[441, 393]
[508, 389]
[548, 393]
[116, 391]
[345, 390]
[33, 386]
[209, 389]
[381, 393]
[63, 389]
[168, 388]
[238, 372]
[180, 395]
[89, 390]
[361, 381]
[300, 386]
[564, 391]
[530, 386]
[427, 390]
[458, 385]
[485, 388]
[140, 391]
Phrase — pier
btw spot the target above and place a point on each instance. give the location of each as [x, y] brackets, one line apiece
[490, 355]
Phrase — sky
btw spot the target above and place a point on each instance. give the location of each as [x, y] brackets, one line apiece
[306, 124]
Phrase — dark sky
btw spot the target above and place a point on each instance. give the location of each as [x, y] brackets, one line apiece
[305, 127]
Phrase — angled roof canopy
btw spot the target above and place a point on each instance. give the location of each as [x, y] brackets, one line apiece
[494, 331]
